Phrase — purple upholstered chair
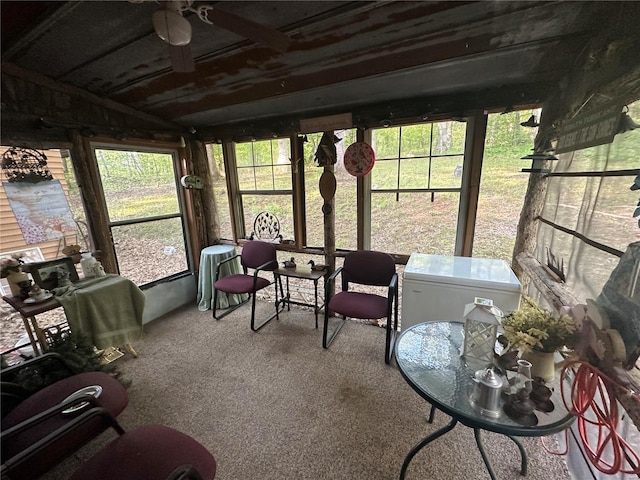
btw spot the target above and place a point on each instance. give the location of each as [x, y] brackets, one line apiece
[32, 421]
[257, 256]
[149, 452]
[364, 267]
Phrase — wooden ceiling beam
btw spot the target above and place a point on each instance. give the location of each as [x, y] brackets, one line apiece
[9, 69]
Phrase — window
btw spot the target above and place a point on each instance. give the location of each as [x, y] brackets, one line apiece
[503, 184]
[219, 182]
[587, 221]
[415, 187]
[265, 182]
[144, 211]
[346, 221]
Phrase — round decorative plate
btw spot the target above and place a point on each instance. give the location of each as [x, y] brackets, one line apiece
[359, 159]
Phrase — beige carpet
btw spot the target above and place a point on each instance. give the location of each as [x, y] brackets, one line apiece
[275, 405]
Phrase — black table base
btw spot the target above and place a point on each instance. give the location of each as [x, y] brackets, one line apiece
[476, 431]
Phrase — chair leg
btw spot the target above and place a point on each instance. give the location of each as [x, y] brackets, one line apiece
[392, 333]
[390, 342]
[228, 310]
[253, 311]
[326, 339]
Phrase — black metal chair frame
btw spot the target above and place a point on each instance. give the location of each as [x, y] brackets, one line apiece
[251, 295]
[30, 454]
[13, 393]
[392, 304]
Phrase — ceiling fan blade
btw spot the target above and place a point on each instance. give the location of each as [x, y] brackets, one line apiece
[182, 58]
[247, 28]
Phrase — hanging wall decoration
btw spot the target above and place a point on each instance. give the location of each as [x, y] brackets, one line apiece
[359, 159]
[326, 152]
[21, 164]
[41, 209]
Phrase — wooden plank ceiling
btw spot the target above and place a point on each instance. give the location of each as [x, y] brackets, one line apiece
[379, 60]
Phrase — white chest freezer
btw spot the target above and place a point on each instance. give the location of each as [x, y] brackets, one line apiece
[437, 287]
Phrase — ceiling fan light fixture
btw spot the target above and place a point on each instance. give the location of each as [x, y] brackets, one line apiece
[172, 27]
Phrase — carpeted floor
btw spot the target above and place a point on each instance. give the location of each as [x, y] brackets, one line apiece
[275, 405]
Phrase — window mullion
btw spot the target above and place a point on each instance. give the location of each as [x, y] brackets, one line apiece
[433, 195]
[398, 169]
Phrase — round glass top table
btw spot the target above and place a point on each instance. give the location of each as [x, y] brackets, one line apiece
[429, 356]
[209, 259]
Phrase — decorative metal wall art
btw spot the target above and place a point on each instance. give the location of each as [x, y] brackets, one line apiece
[266, 227]
[22, 164]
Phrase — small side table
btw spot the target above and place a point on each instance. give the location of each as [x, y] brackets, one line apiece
[209, 259]
[429, 359]
[313, 275]
[28, 313]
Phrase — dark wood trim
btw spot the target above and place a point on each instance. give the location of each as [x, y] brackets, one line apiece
[363, 228]
[474, 154]
[154, 122]
[587, 240]
[604, 173]
[299, 191]
[233, 190]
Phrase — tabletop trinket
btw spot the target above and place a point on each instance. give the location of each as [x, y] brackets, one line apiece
[11, 269]
[291, 263]
[88, 264]
[481, 321]
[519, 408]
[25, 287]
[317, 267]
[487, 391]
[37, 293]
[541, 396]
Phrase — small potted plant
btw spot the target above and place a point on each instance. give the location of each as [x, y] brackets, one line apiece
[537, 334]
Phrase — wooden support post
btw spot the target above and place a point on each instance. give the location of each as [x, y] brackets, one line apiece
[299, 205]
[330, 230]
[203, 201]
[474, 151]
[88, 178]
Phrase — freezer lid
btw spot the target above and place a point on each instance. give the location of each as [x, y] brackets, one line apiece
[464, 271]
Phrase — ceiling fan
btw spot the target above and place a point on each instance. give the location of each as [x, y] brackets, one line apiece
[172, 27]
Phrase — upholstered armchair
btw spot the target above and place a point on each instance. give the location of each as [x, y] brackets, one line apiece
[369, 268]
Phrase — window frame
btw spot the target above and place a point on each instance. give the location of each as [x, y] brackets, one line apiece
[236, 195]
[468, 190]
[181, 202]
